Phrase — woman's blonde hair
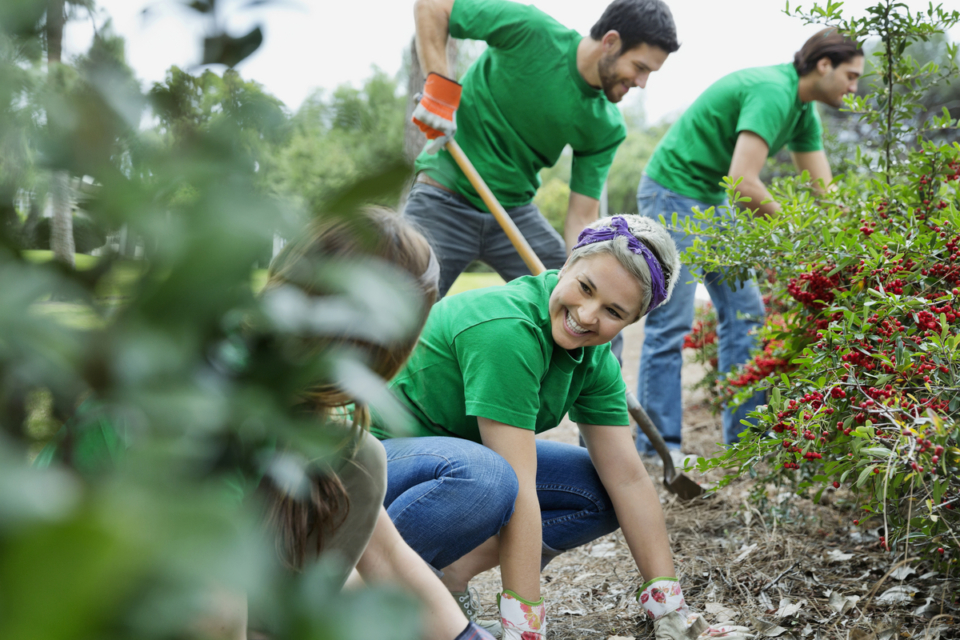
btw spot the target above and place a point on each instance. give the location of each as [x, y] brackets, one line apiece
[655, 237]
[374, 232]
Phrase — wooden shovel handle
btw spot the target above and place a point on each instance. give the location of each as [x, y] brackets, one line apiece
[506, 222]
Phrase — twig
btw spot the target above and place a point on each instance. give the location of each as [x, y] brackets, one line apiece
[943, 592]
[869, 599]
[723, 577]
[777, 579]
[906, 537]
[926, 631]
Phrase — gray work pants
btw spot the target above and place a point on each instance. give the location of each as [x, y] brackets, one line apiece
[460, 234]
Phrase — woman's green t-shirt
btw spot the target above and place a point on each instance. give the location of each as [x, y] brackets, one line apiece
[490, 353]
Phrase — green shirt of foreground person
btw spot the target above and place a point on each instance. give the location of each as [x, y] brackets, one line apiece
[531, 384]
[538, 87]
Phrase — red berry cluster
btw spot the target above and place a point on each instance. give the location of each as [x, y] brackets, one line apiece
[815, 289]
[700, 335]
[761, 366]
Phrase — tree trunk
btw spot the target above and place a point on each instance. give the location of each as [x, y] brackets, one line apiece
[55, 19]
[61, 226]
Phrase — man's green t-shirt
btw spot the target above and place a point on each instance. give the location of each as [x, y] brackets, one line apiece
[490, 353]
[523, 100]
[695, 154]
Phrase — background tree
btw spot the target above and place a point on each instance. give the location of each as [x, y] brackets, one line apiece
[61, 232]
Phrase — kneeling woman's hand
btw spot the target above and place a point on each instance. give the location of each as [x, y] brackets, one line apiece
[521, 619]
[663, 602]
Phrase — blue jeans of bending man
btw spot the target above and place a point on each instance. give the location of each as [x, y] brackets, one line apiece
[447, 495]
[740, 312]
[460, 234]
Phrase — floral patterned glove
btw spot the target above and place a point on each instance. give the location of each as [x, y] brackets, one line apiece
[662, 599]
[522, 620]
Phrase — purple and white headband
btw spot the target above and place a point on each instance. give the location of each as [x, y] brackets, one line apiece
[619, 227]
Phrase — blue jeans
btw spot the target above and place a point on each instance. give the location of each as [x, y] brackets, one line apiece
[447, 495]
[739, 313]
[460, 234]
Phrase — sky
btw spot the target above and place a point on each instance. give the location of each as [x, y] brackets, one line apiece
[310, 44]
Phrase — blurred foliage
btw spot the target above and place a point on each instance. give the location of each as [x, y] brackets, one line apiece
[201, 373]
[336, 138]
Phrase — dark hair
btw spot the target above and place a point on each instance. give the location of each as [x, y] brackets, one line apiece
[826, 43]
[638, 22]
[378, 233]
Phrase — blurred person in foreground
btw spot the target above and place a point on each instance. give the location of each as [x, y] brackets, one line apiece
[731, 130]
[336, 511]
[538, 87]
[470, 487]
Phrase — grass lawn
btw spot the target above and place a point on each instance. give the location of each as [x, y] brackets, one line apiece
[469, 281]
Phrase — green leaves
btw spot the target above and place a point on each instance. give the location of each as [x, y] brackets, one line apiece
[231, 51]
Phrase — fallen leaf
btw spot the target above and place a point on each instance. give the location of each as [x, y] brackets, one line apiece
[621, 638]
[744, 552]
[842, 604]
[933, 633]
[807, 630]
[765, 601]
[902, 573]
[889, 632]
[603, 550]
[770, 629]
[897, 595]
[720, 612]
[835, 555]
[788, 609]
[928, 609]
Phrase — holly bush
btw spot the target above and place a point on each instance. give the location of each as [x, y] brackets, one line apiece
[861, 363]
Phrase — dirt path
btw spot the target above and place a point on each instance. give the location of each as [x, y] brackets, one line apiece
[810, 576]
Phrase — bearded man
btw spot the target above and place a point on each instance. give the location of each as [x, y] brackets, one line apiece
[538, 87]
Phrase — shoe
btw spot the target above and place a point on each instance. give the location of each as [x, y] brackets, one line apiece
[470, 605]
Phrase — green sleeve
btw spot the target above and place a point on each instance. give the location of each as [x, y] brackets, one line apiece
[808, 134]
[764, 111]
[499, 23]
[502, 363]
[603, 400]
[589, 170]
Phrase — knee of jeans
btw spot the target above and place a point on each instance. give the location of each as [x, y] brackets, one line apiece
[495, 479]
[506, 486]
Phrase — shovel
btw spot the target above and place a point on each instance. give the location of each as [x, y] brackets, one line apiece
[685, 487]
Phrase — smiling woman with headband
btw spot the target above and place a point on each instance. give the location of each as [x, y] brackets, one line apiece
[469, 487]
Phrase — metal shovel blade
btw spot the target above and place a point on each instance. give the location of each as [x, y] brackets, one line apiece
[685, 487]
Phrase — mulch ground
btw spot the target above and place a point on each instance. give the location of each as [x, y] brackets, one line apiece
[811, 575]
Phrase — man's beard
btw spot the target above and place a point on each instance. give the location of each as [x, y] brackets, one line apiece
[608, 76]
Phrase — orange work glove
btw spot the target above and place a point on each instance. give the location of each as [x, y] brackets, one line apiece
[436, 112]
